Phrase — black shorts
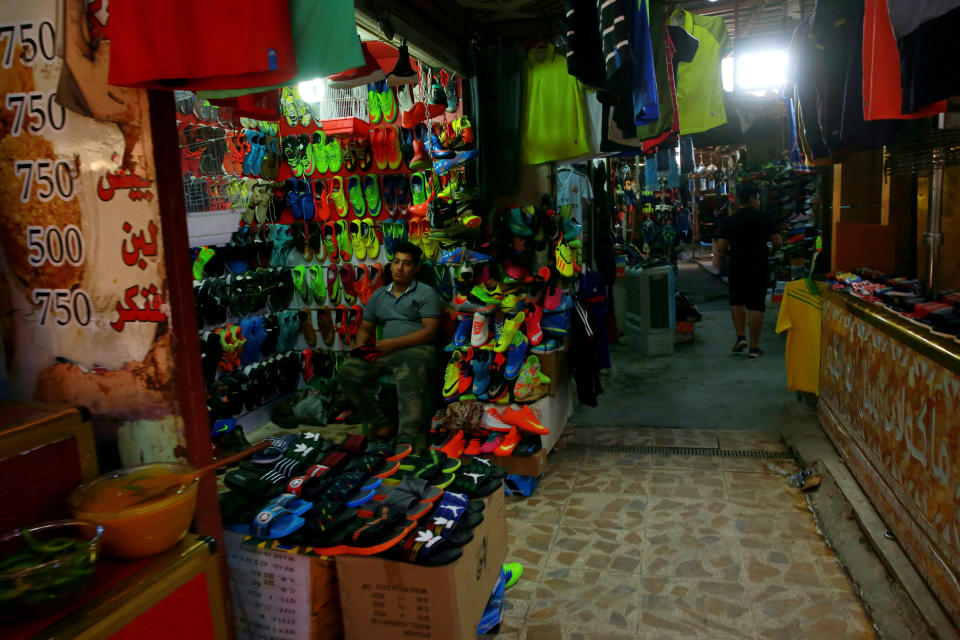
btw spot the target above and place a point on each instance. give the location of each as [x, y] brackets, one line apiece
[749, 289]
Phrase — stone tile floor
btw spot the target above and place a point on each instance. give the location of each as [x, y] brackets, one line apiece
[653, 546]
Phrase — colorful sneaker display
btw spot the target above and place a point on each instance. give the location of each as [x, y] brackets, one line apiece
[510, 329]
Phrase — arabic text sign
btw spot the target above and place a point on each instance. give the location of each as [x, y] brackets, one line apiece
[900, 412]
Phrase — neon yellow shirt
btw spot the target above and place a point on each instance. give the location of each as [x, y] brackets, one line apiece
[699, 83]
[800, 317]
[554, 118]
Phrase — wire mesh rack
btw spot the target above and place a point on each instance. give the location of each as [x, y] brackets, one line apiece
[342, 103]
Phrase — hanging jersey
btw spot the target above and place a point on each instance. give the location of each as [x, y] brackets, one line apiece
[573, 188]
[183, 44]
[800, 317]
[554, 125]
[882, 96]
[699, 83]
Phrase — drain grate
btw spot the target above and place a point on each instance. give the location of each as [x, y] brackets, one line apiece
[678, 451]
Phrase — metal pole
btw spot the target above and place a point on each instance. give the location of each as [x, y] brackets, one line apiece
[933, 236]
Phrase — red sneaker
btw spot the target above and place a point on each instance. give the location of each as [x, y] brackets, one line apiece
[524, 419]
[454, 446]
[473, 448]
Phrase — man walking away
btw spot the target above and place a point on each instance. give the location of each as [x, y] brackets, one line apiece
[744, 237]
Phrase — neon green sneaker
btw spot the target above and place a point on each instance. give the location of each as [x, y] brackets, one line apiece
[510, 328]
[373, 100]
[356, 196]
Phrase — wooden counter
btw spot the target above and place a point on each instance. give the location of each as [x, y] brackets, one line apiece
[890, 401]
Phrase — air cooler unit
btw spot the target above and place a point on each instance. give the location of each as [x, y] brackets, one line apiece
[651, 309]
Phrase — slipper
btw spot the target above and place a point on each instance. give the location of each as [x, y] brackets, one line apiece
[371, 193]
[364, 494]
[275, 521]
[292, 503]
[363, 532]
[413, 496]
[355, 192]
[359, 247]
[278, 446]
[427, 548]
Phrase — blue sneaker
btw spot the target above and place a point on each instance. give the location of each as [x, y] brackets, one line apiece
[555, 324]
[547, 345]
[475, 257]
[481, 372]
[443, 167]
[307, 206]
[516, 354]
[461, 338]
[452, 256]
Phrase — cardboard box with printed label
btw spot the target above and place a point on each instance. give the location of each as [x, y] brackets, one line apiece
[384, 599]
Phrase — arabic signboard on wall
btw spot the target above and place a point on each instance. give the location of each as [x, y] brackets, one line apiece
[895, 414]
[83, 289]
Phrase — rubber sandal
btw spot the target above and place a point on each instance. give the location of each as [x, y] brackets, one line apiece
[275, 521]
[427, 548]
[278, 446]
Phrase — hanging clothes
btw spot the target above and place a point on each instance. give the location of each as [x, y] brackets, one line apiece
[499, 100]
[584, 44]
[574, 189]
[923, 54]
[646, 108]
[838, 31]
[699, 82]
[171, 45]
[554, 120]
[882, 93]
[805, 61]
[800, 314]
[906, 16]
[325, 42]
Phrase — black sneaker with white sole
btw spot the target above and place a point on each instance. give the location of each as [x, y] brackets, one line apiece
[739, 345]
[755, 352]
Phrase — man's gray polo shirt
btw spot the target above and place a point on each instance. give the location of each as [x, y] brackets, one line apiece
[401, 316]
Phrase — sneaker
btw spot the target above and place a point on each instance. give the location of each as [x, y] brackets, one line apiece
[491, 443]
[474, 447]
[455, 446]
[534, 313]
[452, 380]
[367, 73]
[525, 419]
[516, 353]
[403, 72]
[462, 336]
[481, 372]
[739, 345]
[464, 304]
[755, 352]
[488, 292]
[480, 332]
[493, 422]
[510, 329]
[506, 447]
[498, 387]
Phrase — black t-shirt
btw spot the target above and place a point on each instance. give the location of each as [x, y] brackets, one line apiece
[748, 231]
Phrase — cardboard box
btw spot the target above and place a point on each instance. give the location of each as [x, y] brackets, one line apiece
[282, 595]
[522, 465]
[384, 599]
[553, 364]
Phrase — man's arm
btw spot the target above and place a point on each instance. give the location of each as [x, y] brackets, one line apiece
[365, 332]
[424, 335]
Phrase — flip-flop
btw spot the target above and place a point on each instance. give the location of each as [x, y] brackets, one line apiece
[359, 247]
[278, 446]
[275, 521]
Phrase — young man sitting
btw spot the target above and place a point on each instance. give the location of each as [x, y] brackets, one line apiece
[410, 314]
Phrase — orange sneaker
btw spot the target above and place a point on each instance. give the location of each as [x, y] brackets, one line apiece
[524, 419]
[473, 448]
[509, 442]
[454, 446]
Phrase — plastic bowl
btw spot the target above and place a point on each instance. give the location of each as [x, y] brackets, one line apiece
[144, 529]
[51, 581]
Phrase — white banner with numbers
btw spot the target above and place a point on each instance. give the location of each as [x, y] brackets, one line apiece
[83, 285]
